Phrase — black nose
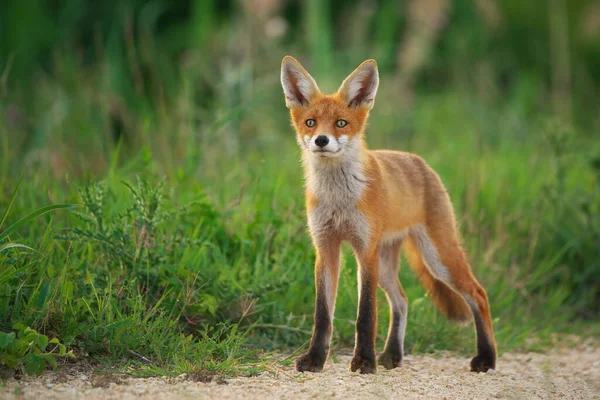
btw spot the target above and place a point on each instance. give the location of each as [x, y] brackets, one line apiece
[321, 140]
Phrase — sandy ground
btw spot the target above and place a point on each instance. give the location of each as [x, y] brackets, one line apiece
[565, 374]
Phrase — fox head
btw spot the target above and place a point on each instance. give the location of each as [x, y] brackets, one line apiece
[329, 126]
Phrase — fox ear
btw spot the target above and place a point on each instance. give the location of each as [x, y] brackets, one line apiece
[298, 86]
[360, 87]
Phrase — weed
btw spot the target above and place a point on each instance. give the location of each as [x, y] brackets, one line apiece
[26, 349]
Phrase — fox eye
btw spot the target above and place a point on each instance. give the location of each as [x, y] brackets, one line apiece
[340, 123]
[310, 122]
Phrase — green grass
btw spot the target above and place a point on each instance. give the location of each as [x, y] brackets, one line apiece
[188, 251]
[147, 264]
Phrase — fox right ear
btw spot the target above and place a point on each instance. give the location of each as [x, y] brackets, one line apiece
[298, 86]
[360, 87]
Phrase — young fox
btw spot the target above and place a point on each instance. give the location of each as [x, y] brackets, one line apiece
[379, 201]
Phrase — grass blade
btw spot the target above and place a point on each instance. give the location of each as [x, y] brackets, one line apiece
[13, 245]
[33, 215]
[11, 202]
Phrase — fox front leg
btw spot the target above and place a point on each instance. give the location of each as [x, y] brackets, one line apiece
[327, 268]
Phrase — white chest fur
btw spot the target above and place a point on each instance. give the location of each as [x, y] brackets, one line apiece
[337, 185]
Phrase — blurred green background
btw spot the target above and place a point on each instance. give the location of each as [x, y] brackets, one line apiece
[166, 121]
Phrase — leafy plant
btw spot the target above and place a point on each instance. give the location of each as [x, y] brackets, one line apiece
[30, 350]
[131, 238]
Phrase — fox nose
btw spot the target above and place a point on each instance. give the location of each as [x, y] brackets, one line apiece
[321, 140]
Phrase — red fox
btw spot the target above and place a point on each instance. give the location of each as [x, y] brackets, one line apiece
[379, 201]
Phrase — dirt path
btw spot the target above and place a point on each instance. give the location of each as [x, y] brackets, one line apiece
[568, 374]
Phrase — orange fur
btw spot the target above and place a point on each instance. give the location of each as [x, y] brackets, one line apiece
[450, 303]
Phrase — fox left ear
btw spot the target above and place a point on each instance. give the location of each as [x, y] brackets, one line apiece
[298, 86]
[360, 87]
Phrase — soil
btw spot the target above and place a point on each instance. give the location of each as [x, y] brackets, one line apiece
[561, 374]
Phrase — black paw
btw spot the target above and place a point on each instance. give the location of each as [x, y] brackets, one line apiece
[366, 365]
[309, 362]
[482, 363]
[390, 360]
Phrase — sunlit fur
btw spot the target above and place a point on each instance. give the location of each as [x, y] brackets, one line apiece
[379, 201]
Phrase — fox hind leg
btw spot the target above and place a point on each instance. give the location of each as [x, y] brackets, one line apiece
[389, 264]
[446, 261]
